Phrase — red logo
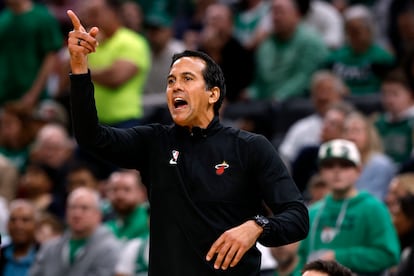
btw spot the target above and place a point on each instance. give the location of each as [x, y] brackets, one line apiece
[221, 167]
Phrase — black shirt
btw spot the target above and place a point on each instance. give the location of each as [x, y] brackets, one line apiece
[200, 184]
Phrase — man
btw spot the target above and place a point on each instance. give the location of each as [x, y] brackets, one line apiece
[218, 41]
[119, 67]
[87, 248]
[325, 268]
[206, 182]
[128, 196]
[30, 38]
[286, 60]
[326, 90]
[17, 257]
[351, 227]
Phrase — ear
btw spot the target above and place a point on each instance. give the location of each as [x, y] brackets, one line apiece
[214, 95]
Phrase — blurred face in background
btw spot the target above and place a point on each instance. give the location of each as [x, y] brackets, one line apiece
[333, 124]
[356, 130]
[83, 213]
[325, 93]
[359, 34]
[125, 192]
[395, 98]
[22, 225]
[285, 18]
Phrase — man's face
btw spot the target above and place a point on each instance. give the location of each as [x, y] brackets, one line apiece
[340, 175]
[21, 225]
[82, 214]
[324, 94]
[314, 273]
[285, 16]
[125, 192]
[188, 100]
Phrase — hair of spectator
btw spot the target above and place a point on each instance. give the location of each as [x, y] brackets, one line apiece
[213, 75]
[82, 190]
[332, 268]
[340, 86]
[360, 12]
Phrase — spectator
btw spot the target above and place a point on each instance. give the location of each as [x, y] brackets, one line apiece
[401, 187]
[317, 189]
[8, 181]
[287, 260]
[248, 22]
[17, 133]
[327, 21]
[159, 32]
[132, 16]
[348, 226]
[326, 90]
[17, 257]
[305, 165]
[404, 221]
[36, 185]
[286, 60]
[120, 65]
[377, 168]
[361, 63]
[217, 40]
[54, 148]
[395, 124]
[325, 268]
[128, 197]
[87, 247]
[48, 227]
[30, 39]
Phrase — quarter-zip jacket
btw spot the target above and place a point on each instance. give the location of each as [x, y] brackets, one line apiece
[200, 184]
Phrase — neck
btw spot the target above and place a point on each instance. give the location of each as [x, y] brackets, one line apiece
[344, 194]
[21, 250]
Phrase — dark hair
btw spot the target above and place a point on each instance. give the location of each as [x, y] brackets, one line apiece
[397, 75]
[213, 75]
[332, 268]
[302, 6]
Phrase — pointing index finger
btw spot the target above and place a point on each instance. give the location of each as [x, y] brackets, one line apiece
[75, 21]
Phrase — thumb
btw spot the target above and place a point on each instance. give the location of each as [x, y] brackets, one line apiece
[94, 32]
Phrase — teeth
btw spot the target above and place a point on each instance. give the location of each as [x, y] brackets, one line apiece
[178, 99]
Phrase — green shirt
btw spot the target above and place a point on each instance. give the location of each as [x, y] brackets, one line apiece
[124, 102]
[397, 137]
[365, 240]
[284, 68]
[361, 72]
[133, 226]
[26, 39]
[74, 247]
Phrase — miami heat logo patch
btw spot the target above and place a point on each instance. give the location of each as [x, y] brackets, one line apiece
[221, 167]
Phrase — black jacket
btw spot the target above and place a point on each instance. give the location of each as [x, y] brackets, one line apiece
[200, 184]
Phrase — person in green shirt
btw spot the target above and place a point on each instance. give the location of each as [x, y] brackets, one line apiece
[348, 226]
[286, 60]
[361, 62]
[128, 199]
[30, 39]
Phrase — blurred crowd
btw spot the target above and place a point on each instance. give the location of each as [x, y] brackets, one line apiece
[300, 72]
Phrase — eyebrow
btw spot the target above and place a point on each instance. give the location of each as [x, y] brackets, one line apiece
[182, 74]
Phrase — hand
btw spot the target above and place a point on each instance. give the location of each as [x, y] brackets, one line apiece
[80, 44]
[29, 100]
[233, 244]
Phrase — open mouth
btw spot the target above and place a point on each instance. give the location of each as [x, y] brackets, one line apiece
[179, 103]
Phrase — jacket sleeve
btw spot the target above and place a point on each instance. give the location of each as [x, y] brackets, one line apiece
[106, 260]
[289, 221]
[123, 147]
